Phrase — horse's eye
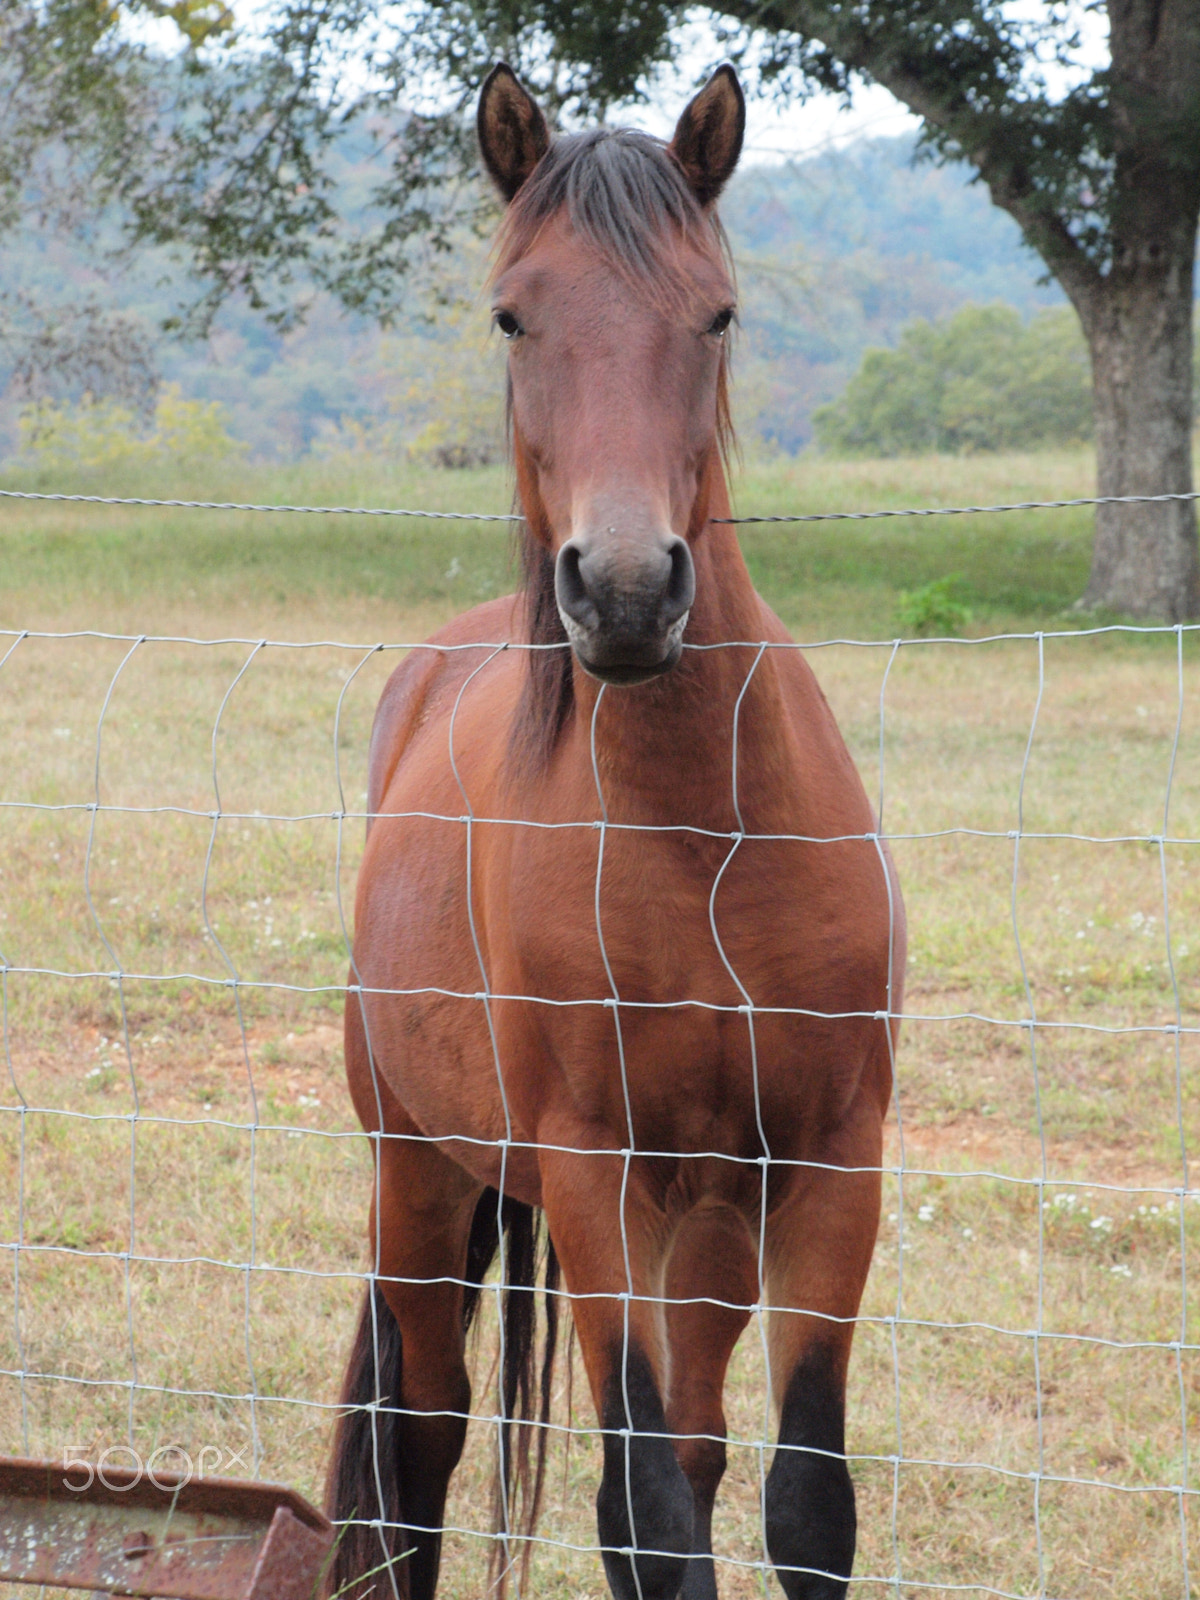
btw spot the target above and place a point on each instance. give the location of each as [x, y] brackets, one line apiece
[720, 322]
[508, 324]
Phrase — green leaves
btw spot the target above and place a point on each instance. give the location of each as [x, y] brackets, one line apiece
[935, 608]
[979, 380]
[71, 99]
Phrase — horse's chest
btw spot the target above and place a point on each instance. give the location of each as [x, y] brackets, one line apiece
[724, 964]
[716, 922]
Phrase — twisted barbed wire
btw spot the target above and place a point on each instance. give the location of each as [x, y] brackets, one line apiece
[511, 516]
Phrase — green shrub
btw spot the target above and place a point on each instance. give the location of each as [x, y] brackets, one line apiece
[934, 608]
[980, 380]
[100, 435]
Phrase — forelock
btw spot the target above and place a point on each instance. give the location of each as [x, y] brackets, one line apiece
[623, 192]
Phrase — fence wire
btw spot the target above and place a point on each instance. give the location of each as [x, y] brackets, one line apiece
[486, 516]
[61, 1223]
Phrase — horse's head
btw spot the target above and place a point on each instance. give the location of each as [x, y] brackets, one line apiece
[613, 290]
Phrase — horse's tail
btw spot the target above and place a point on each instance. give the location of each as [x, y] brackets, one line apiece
[364, 1485]
[520, 1473]
[364, 1473]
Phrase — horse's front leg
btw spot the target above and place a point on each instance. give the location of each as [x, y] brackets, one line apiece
[611, 1242]
[711, 1282]
[818, 1245]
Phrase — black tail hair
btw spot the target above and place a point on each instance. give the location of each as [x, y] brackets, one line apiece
[523, 1233]
[365, 1475]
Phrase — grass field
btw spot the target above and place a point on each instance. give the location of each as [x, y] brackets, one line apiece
[1041, 1162]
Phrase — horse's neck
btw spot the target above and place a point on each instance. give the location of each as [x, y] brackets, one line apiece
[727, 608]
[668, 747]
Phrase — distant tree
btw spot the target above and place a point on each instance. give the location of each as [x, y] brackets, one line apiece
[979, 380]
[78, 97]
[64, 351]
[78, 102]
[1103, 176]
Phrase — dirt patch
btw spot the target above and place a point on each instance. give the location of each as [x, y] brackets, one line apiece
[209, 1070]
[990, 1144]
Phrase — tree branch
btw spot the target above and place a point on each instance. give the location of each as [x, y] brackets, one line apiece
[957, 69]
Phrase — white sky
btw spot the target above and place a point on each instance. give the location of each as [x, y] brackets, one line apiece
[778, 133]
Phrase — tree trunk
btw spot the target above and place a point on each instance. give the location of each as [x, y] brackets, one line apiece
[1138, 322]
[1104, 184]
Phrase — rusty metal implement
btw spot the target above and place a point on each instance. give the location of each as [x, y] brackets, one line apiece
[129, 1533]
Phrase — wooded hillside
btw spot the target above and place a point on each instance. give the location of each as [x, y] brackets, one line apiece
[836, 253]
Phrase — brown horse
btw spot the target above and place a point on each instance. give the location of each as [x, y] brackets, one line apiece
[627, 949]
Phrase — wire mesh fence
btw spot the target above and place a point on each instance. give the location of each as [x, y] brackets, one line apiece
[184, 1214]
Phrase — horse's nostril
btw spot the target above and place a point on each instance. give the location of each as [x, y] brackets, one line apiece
[681, 584]
[629, 602]
[570, 590]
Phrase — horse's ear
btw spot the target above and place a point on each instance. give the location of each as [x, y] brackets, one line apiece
[513, 136]
[708, 136]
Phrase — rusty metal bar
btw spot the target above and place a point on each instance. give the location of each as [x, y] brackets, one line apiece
[126, 1532]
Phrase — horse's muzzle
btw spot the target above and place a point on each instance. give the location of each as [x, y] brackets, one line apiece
[625, 615]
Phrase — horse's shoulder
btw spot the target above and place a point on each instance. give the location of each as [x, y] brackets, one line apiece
[803, 695]
[801, 688]
[493, 622]
[772, 629]
[425, 673]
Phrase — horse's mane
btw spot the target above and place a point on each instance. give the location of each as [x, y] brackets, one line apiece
[624, 192]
